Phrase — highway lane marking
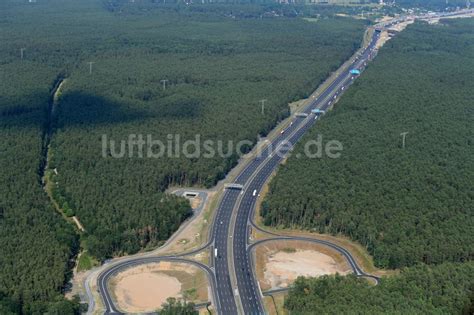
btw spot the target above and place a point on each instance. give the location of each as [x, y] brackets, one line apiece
[299, 131]
[294, 136]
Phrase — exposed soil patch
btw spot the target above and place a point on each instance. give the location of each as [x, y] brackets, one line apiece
[281, 262]
[146, 291]
[146, 288]
[195, 202]
[283, 268]
[436, 21]
[195, 233]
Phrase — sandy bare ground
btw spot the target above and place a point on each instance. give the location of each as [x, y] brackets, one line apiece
[145, 292]
[77, 289]
[280, 263]
[463, 16]
[283, 268]
[195, 233]
[384, 37]
[195, 202]
[145, 288]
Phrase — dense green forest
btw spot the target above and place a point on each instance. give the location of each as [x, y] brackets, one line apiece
[406, 205]
[444, 289]
[217, 69]
[35, 242]
[120, 4]
[245, 9]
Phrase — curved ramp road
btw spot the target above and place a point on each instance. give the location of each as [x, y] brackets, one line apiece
[229, 236]
[105, 276]
[248, 289]
[344, 252]
[238, 260]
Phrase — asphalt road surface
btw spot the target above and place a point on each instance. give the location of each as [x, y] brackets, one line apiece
[234, 234]
[248, 290]
[252, 177]
[105, 276]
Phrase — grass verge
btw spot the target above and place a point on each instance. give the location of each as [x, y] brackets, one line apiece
[86, 262]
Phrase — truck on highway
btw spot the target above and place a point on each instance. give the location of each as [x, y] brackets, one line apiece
[301, 115]
[215, 252]
[355, 71]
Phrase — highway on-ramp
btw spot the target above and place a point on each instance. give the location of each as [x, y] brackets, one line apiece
[105, 276]
[227, 298]
[231, 273]
[248, 290]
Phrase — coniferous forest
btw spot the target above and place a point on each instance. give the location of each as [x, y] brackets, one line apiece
[444, 289]
[406, 205]
[410, 206]
[111, 58]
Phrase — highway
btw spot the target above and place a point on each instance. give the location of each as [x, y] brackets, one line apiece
[229, 242]
[252, 177]
[248, 290]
